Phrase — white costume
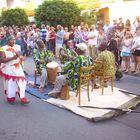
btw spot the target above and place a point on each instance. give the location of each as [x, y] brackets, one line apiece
[12, 73]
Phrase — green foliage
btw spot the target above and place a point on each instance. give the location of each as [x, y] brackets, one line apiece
[15, 16]
[90, 16]
[56, 12]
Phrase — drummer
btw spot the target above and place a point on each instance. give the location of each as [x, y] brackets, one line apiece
[41, 58]
[70, 72]
[66, 52]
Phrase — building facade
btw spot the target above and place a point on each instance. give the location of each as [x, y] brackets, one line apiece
[113, 9]
[109, 9]
[28, 5]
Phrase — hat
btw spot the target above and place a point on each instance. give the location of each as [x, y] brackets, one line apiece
[82, 47]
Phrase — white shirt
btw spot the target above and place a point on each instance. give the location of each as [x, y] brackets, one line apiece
[13, 68]
[47, 35]
[94, 34]
[136, 41]
[106, 28]
[127, 45]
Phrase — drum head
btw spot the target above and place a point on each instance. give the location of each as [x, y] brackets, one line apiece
[52, 65]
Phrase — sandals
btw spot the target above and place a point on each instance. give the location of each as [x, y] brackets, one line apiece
[126, 71]
[133, 71]
[136, 73]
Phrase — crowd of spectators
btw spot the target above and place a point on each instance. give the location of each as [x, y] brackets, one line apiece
[123, 39]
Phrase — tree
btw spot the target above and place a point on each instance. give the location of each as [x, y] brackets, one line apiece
[90, 16]
[56, 12]
[15, 16]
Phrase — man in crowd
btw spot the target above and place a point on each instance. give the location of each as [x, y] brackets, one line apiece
[43, 33]
[59, 39]
[92, 41]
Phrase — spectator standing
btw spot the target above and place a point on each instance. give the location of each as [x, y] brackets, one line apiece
[47, 37]
[126, 50]
[106, 27]
[66, 34]
[92, 42]
[59, 39]
[128, 26]
[43, 33]
[52, 38]
[136, 52]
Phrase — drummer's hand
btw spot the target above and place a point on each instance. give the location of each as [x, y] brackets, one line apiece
[49, 60]
[71, 58]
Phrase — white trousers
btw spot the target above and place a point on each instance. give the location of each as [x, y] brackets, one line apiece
[60, 81]
[57, 49]
[12, 87]
[92, 51]
[43, 77]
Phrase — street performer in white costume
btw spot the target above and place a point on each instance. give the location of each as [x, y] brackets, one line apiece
[12, 72]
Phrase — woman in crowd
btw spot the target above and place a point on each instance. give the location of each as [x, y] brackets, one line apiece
[52, 37]
[136, 51]
[126, 50]
[66, 34]
[113, 44]
[85, 35]
[101, 37]
[77, 35]
[128, 26]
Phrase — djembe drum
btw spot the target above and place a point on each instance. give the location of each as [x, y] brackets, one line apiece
[52, 69]
[64, 95]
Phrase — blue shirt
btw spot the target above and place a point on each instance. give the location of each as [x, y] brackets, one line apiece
[43, 33]
[59, 40]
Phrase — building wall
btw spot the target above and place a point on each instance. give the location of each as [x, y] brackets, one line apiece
[114, 9]
[3, 3]
[105, 13]
[127, 10]
[10, 3]
[28, 5]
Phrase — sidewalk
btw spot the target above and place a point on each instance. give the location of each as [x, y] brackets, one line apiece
[130, 70]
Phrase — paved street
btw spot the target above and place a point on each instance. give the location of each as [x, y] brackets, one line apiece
[42, 121]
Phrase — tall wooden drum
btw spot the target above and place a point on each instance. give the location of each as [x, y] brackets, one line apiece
[52, 68]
